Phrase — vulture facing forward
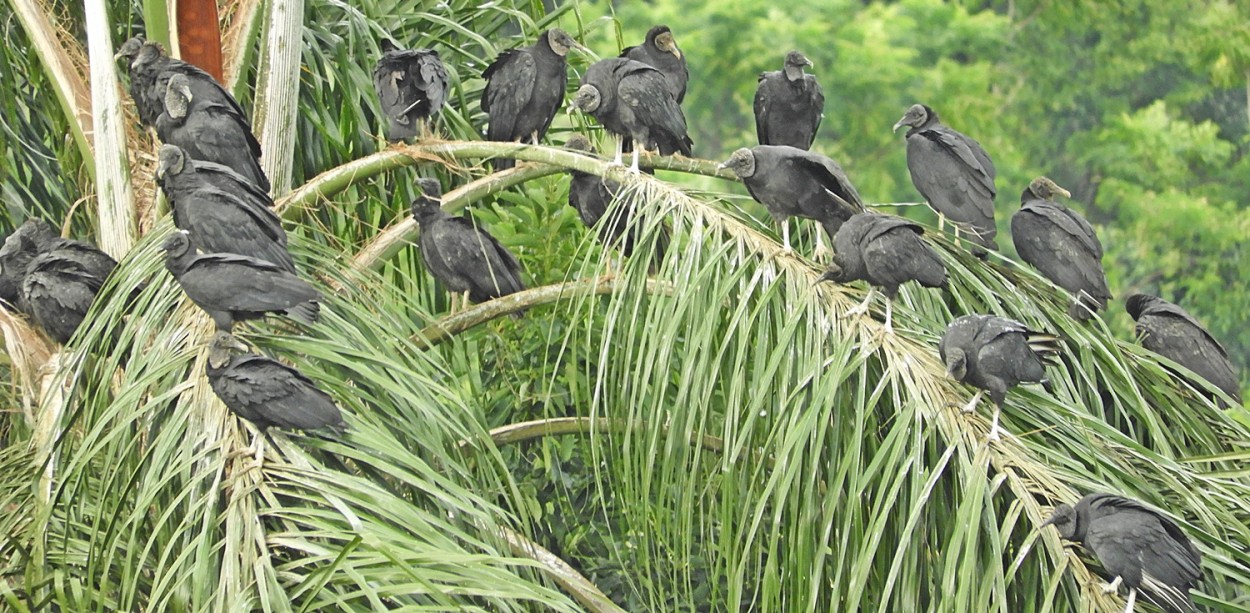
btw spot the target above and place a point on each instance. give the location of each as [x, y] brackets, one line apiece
[791, 182]
[995, 354]
[953, 173]
[412, 87]
[234, 288]
[789, 105]
[660, 51]
[630, 99]
[1173, 333]
[886, 251]
[224, 212]
[465, 258]
[525, 88]
[1137, 546]
[1060, 244]
[209, 131]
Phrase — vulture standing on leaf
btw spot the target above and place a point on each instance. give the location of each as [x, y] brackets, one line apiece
[224, 212]
[150, 72]
[61, 283]
[791, 182]
[525, 88]
[995, 354]
[886, 251]
[412, 87]
[789, 105]
[463, 257]
[630, 99]
[23, 245]
[660, 51]
[267, 392]
[234, 288]
[1173, 333]
[1060, 244]
[592, 196]
[953, 173]
[209, 131]
[1139, 547]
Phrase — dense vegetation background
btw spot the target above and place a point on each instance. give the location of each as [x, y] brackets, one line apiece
[732, 443]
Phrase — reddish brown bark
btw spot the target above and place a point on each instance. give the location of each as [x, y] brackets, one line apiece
[199, 35]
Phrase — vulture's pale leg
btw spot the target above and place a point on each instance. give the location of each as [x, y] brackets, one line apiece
[1132, 600]
[534, 137]
[620, 148]
[785, 236]
[972, 404]
[889, 313]
[821, 252]
[862, 307]
[633, 167]
[994, 429]
[1113, 587]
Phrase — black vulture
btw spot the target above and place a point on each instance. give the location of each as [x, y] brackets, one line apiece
[789, 105]
[886, 251]
[234, 288]
[592, 196]
[630, 99]
[61, 283]
[23, 245]
[463, 257]
[1060, 244]
[525, 88]
[1137, 546]
[953, 173]
[221, 213]
[209, 131]
[150, 71]
[1173, 333]
[412, 87]
[267, 392]
[661, 51]
[791, 182]
[995, 354]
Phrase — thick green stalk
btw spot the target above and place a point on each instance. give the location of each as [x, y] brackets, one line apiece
[156, 22]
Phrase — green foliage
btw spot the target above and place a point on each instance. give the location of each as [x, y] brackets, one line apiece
[749, 447]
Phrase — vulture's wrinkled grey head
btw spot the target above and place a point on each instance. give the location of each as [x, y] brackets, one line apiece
[148, 53]
[1063, 519]
[560, 41]
[178, 243]
[795, 62]
[741, 162]
[1044, 188]
[579, 142]
[915, 117]
[663, 39]
[430, 199]
[171, 160]
[130, 50]
[221, 348]
[956, 364]
[178, 96]
[1138, 303]
[833, 272]
[587, 99]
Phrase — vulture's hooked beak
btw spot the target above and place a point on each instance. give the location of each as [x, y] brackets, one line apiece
[897, 126]
[1060, 190]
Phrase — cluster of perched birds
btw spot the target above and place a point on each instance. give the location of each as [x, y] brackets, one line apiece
[230, 254]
